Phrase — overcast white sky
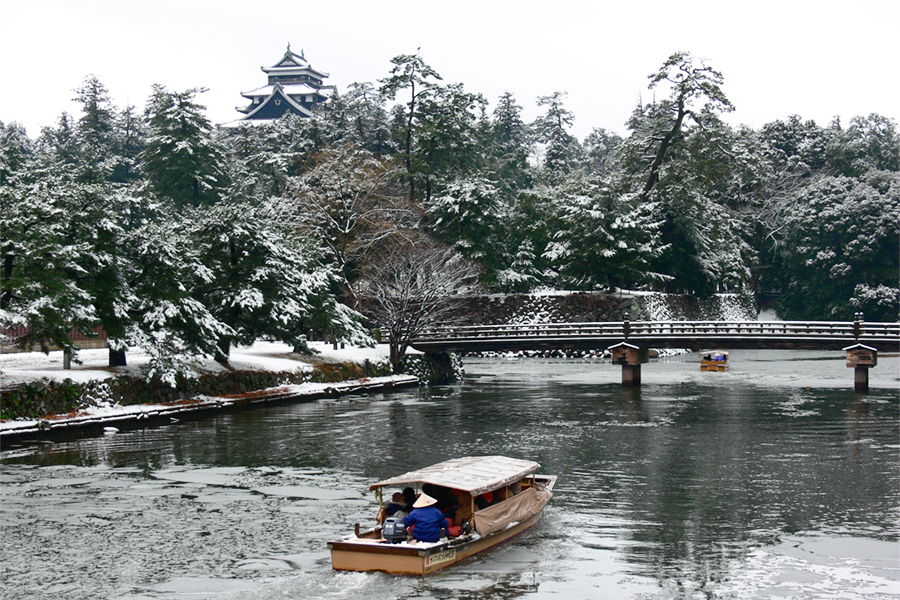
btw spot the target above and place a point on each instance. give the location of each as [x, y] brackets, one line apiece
[817, 59]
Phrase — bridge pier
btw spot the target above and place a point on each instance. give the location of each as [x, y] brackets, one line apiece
[631, 375]
[861, 379]
[631, 358]
[861, 358]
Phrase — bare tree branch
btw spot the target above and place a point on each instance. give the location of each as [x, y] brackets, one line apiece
[413, 287]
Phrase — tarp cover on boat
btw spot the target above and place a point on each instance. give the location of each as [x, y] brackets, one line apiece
[514, 510]
[473, 474]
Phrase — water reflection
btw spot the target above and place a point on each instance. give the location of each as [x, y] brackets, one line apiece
[684, 487]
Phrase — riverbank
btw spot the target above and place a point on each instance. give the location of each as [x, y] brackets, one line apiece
[54, 403]
[115, 418]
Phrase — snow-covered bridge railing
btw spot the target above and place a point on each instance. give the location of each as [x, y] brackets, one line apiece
[810, 335]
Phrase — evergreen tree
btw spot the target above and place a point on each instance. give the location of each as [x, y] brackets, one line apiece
[602, 148]
[562, 151]
[163, 271]
[259, 279]
[129, 142]
[60, 144]
[843, 249]
[65, 200]
[508, 142]
[679, 157]
[409, 73]
[16, 151]
[96, 130]
[183, 162]
[692, 82]
[869, 143]
[468, 215]
[448, 136]
[41, 262]
[533, 222]
[368, 119]
[610, 239]
[797, 144]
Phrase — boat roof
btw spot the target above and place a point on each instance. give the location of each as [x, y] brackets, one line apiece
[473, 474]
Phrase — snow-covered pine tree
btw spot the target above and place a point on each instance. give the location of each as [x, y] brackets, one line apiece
[562, 152]
[609, 239]
[183, 161]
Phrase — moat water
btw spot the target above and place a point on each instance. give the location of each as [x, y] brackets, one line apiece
[774, 479]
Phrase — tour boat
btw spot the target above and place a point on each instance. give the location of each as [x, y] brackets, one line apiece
[714, 361]
[509, 489]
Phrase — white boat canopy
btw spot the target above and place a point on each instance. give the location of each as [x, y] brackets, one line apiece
[473, 474]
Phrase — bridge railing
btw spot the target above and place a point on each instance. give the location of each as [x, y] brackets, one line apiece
[792, 329]
[648, 329]
[522, 330]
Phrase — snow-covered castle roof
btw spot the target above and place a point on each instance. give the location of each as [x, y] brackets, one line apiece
[294, 86]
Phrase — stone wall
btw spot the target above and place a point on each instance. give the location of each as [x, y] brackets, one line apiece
[518, 309]
[581, 307]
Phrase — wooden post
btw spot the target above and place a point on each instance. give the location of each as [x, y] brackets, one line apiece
[861, 379]
[631, 375]
[67, 359]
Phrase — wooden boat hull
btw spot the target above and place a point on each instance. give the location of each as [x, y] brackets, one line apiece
[712, 365]
[405, 559]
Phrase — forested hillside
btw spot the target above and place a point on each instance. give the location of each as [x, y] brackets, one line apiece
[185, 238]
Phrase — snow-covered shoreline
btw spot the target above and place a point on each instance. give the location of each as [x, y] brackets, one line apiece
[109, 416]
[30, 367]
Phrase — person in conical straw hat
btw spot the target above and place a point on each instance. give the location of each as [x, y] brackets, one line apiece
[428, 520]
[423, 501]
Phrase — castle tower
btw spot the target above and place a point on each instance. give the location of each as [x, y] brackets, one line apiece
[294, 86]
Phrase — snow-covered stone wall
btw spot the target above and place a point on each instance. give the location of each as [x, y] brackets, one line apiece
[581, 307]
[675, 307]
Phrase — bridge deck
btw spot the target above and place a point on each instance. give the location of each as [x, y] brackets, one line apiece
[696, 335]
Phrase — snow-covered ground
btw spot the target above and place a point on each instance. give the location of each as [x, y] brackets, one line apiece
[261, 356]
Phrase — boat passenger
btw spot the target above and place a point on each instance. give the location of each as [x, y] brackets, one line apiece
[446, 500]
[428, 520]
[397, 507]
[496, 497]
[409, 498]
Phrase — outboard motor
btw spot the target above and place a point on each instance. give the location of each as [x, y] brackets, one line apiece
[394, 530]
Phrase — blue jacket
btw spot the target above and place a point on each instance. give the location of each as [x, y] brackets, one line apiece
[428, 521]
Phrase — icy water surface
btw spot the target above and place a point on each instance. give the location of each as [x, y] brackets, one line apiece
[772, 480]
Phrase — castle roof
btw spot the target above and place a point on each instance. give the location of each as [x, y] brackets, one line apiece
[271, 107]
[289, 88]
[291, 64]
[293, 87]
